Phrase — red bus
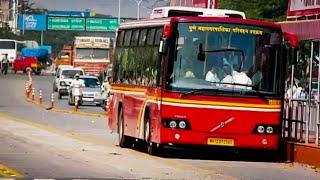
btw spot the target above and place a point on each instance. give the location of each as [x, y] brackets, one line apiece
[197, 80]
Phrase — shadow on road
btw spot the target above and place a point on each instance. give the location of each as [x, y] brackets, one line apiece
[214, 153]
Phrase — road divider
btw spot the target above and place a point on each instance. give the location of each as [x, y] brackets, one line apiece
[38, 100]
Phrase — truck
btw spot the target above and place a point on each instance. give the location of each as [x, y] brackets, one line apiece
[92, 54]
[31, 58]
[65, 57]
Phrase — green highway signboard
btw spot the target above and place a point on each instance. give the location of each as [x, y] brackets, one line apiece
[66, 23]
[95, 24]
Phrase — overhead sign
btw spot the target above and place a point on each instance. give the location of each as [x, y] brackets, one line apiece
[32, 22]
[95, 24]
[70, 13]
[66, 23]
[298, 8]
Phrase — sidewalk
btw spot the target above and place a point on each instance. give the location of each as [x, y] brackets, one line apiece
[304, 153]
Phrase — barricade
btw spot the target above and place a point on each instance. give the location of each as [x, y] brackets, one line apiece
[40, 97]
[52, 100]
[33, 94]
[301, 121]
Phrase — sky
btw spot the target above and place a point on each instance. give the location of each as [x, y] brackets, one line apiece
[108, 7]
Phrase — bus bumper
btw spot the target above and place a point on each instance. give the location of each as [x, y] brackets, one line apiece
[249, 141]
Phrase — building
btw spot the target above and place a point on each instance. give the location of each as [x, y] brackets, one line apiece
[9, 10]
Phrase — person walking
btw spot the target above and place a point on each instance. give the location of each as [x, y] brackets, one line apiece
[4, 64]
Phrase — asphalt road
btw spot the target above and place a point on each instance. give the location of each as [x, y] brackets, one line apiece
[40, 143]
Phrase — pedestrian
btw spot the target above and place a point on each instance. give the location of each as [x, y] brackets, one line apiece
[4, 64]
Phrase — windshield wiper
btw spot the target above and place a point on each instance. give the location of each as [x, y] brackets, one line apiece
[194, 91]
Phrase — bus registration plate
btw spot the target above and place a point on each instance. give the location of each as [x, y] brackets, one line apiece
[220, 142]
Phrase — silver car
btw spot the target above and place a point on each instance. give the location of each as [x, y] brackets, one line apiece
[90, 91]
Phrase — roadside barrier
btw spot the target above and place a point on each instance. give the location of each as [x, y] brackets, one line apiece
[33, 93]
[52, 100]
[40, 97]
[301, 122]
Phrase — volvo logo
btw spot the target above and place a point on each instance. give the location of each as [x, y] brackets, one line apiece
[222, 124]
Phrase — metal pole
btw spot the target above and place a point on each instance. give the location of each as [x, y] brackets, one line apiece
[318, 102]
[41, 41]
[119, 12]
[23, 18]
[309, 99]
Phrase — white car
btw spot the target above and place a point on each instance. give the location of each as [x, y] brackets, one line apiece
[64, 79]
[56, 74]
[90, 91]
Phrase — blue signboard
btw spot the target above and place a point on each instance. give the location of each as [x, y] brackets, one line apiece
[32, 22]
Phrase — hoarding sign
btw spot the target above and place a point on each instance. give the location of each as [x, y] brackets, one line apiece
[297, 8]
[32, 22]
[95, 24]
[66, 23]
[195, 3]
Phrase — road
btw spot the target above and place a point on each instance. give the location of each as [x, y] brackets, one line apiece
[40, 143]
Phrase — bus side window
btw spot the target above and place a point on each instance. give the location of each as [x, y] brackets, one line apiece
[150, 37]
[135, 37]
[158, 36]
[143, 37]
[127, 38]
[120, 38]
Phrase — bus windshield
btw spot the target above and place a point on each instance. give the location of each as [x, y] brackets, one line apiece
[225, 57]
[7, 45]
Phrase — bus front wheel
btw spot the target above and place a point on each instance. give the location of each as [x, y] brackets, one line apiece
[123, 140]
[152, 148]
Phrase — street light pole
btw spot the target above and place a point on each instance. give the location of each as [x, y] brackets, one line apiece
[119, 12]
[138, 8]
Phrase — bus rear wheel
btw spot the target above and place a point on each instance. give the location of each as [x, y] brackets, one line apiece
[123, 140]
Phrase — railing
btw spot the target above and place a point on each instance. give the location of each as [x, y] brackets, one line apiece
[301, 121]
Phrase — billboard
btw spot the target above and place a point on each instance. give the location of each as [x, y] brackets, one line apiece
[66, 23]
[298, 8]
[32, 22]
[195, 3]
[97, 24]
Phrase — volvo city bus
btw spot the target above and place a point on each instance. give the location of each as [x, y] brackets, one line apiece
[162, 92]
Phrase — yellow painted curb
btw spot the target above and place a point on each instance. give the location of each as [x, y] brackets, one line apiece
[7, 172]
[36, 102]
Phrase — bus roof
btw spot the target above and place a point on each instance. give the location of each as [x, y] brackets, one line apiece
[170, 20]
[174, 11]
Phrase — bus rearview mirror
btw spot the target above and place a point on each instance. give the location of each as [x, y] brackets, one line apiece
[163, 46]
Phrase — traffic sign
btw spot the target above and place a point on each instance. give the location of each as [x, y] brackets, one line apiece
[66, 23]
[97, 24]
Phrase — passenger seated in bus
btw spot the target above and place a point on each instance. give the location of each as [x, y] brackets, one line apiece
[212, 75]
[189, 74]
[234, 77]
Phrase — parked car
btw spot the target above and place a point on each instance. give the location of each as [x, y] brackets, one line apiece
[64, 78]
[90, 91]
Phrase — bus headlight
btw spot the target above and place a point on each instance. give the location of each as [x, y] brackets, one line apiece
[173, 124]
[260, 129]
[182, 125]
[269, 130]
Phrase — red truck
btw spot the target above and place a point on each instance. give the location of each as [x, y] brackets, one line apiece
[33, 58]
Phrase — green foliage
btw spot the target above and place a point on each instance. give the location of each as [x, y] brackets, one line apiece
[272, 10]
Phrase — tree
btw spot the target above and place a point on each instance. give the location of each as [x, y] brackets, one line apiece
[273, 10]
